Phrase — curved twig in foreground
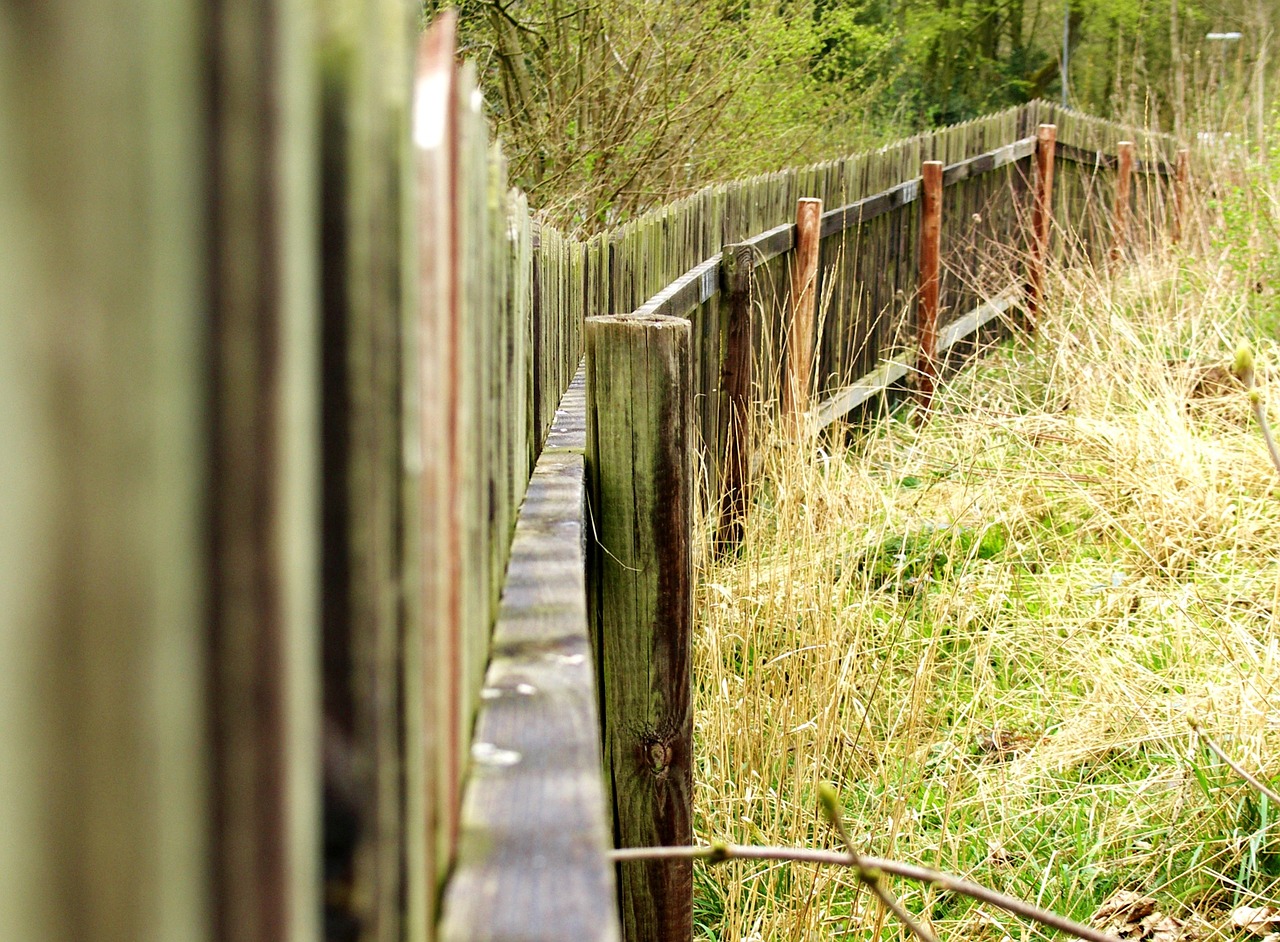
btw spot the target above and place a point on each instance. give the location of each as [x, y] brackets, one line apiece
[714, 853]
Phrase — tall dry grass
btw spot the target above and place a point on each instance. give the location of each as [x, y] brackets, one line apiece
[991, 629]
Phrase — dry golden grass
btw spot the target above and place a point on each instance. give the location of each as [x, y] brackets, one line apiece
[991, 630]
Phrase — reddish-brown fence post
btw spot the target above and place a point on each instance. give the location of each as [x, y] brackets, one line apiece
[1182, 174]
[930, 253]
[1120, 216]
[735, 385]
[804, 283]
[1041, 220]
[640, 435]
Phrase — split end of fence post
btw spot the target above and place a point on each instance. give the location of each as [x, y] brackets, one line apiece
[640, 434]
[798, 376]
[1041, 221]
[927, 301]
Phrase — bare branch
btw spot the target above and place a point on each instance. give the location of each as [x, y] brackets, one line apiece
[717, 852]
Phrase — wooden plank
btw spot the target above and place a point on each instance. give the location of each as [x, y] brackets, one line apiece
[261, 476]
[798, 362]
[894, 370]
[104, 788]
[864, 210]
[885, 375]
[970, 323]
[927, 296]
[1181, 183]
[1103, 161]
[992, 160]
[640, 435]
[1121, 209]
[735, 384]
[569, 426]
[694, 287]
[532, 859]
[774, 242]
[433, 120]
[1041, 221]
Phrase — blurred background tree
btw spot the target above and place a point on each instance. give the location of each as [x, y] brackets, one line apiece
[608, 107]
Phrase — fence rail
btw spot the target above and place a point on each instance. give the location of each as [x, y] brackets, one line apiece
[303, 555]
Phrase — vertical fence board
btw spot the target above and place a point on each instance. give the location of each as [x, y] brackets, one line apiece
[103, 790]
[640, 428]
[261, 478]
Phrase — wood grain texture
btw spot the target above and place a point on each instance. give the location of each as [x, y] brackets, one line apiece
[927, 301]
[801, 313]
[736, 386]
[531, 861]
[639, 465]
[1041, 220]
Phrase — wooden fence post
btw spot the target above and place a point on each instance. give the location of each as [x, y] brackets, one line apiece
[735, 385]
[930, 250]
[1041, 219]
[640, 576]
[804, 282]
[1181, 178]
[1120, 216]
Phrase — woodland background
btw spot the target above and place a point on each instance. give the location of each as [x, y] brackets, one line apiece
[608, 107]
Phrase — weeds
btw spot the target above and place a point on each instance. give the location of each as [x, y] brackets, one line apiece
[991, 630]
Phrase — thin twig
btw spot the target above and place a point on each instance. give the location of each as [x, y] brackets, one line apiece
[1260, 413]
[1235, 766]
[714, 853]
[1244, 370]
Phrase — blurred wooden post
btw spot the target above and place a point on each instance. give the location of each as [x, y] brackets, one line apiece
[1120, 216]
[640, 575]
[1182, 174]
[433, 799]
[804, 280]
[735, 385]
[108, 784]
[1041, 220]
[930, 251]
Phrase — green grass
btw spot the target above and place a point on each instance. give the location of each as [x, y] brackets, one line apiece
[990, 630]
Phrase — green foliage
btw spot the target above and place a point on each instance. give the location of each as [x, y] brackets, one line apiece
[607, 109]
[934, 552]
[1248, 236]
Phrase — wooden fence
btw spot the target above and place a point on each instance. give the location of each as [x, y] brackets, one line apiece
[303, 595]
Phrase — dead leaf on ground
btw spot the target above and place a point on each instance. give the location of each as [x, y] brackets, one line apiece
[1131, 916]
[1260, 920]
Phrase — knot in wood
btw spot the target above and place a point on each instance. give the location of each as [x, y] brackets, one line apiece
[658, 754]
